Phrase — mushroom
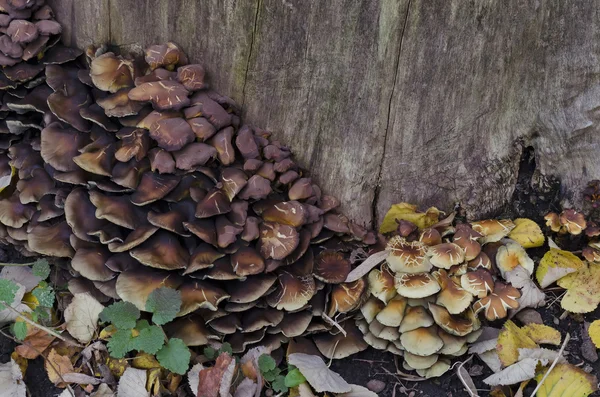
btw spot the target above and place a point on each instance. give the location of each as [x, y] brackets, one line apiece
[415, 317]
[165, 56]
[466, 238]
[422, 341]
[492, 230]
[452, 324]
[172, 134]
[136, 286]
[382, 284]
[111, 73]
[407, 257]
[445, 255]
[164, 95]
[478, 282]
[510, 256]
[393, 313]
[331, 267]
[497, 303]
[416, 285]
[278, 241]
[452, 296]
[346, 297]
[293, 292]
[573, 221]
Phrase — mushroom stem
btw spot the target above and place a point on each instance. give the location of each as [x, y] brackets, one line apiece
[34, 324]
[559, 355]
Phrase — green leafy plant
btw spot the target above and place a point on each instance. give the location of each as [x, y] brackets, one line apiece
[135, 334]
[279, 382]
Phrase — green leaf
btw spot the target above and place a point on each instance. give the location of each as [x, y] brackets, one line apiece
[8, 290]
[19, 330]
[150, 339]
[271, 375]
[122, 315]
[41, 312]
[120, 343]
[210, 353]
[226, 348]
[164, 303]
[294, 378]
[41, 268]
[278, 385]
[44, 295]
[266, 363]
[174, 356]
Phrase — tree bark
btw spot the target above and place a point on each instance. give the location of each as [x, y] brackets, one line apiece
[383, 101]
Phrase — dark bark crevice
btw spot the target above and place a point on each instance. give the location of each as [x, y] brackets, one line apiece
[256, 16]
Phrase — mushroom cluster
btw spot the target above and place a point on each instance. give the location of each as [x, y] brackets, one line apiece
[424, 301]
[142, 176]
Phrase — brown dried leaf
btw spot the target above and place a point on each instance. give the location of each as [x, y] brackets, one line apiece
[56, 366]
[210, 378]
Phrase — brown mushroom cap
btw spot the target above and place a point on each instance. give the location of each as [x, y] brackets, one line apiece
[172, 134]
[51, 240]
[133, 239]
[331, 267]
[511, 255]
[370, 309]
[135, 286]
[221, 141]
[203, 257]
[452, 296]
[453, 324]
[91, 263]
[479, 282]
[162, 251]
[60, 145]
[346, 297]
[21, 31]
[493, 229]
[572, 221]
[153, 187]
[214, 203]
[481, 261]
[247, 261]
[422, 341]
[118, 210]
[134, 142]
[445, 255]
[193, 155]
[290, 213]
[393, 313]
[199, 295]
[251, 289]
[111, 73]
[416, 285]
[420, 362]
[277, 241]
[415, 317]
[164, 95]
[430, 237]
[553, 222]
[382, 284]
[497, 303]
[407, 257]
[257, 188]
[191, 330]
[293, 292]
[165, 56]
[466, 238]
[15, 214]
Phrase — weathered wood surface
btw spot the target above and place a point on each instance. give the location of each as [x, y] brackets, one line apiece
[392, 100]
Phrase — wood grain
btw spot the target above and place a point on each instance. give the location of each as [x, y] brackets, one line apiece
[392, 100]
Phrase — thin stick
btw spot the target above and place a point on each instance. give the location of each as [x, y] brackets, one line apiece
[34, 324]
[559, 355]
[334, 323]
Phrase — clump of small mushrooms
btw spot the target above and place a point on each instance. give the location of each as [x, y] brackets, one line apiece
[141, 176]
[425, 300]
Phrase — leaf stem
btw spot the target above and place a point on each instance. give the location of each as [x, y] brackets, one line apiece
[34, 324]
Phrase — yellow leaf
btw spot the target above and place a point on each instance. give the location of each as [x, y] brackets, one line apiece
[21, 362]
[107, 332]
[510, 340]
[30, 301]
[145, 361]
[527, 233]
[117, 366]
[542, 334]
[566, 380]
[173, 382]
[583, 289]
[408, 212]
[594, 332]
[153, 384]
[56, 366]
[555, 265]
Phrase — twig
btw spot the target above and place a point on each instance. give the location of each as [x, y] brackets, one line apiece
[559, 355]
[34, 324]
[463, 381]
[334, 323]
[41, 355]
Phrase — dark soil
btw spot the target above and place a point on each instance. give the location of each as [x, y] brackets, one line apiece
[533, 198]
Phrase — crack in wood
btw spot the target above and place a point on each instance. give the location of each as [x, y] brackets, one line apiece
[374, 215]
[256, 15]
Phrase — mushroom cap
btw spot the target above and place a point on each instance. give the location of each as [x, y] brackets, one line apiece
[153, 187]
[194, 154]
[118, 210]
[257, 188]
[51, 240]
[346, 297]
[493, 230]
[452, 296]
[466, 238]
[481, 261]
[191, 77]
[430, 237]
[135, 286]
[290, 213]
[382, 284]
[221, 141]
[420, 362]
[407, 257]
[553, 222]
[134, 142]
[453, 324]
[452, 344]
[371, 308]
[164, 95]
[277, 241]
[331, 267]
[497, 303]
[251, 289]
[21, 31]
[572, 221]
[247, 261]
[111, 73]
[133, 239]
[91, 263]
[203, 257]
[15, 214]
[436, 370]
[393, 313]
[292, 292]
[162, 251]
[191, 330]
[416, 285]
[199, 295]
[214, 203]
[479, 282]
[415, 317]
[445, 255]
[511, 255]
[422, 341]
[172, 134]
[383, 332]
[165, 56]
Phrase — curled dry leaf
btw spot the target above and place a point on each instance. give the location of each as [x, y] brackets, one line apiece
[133, 383]
[556, 264]
[211, 379]
[318, 375]
[11, 380]
[36, 341]
[531, 295]
[356, 391]
[408, 212]
[541, 354]
[81, 317]
[515, 373]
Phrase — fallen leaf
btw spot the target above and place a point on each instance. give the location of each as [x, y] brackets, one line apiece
[145, 361]
[246, 388]
[491, 359]
[227, 379]
[408, 212]
[153, 383]
[566, 380]
[529, 316]
[366, 266]
[11, 380]
[193, 376]
[36, 341]
[9, 316]
[515, 373]
[250, 367]
[466, 379]
[116, 366]
[527, 233]
[23, 363]
[356, 391]
[542, 334]
[103, 391]
[81, 317]
[81, 379]
[556, 264]
[510, 340]
[21, 275]
[594, 332]
[583, 289]
[56, 366]
[133, 384]
[317, 374]
[541, 354]
[531, 296]
[210, 378]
